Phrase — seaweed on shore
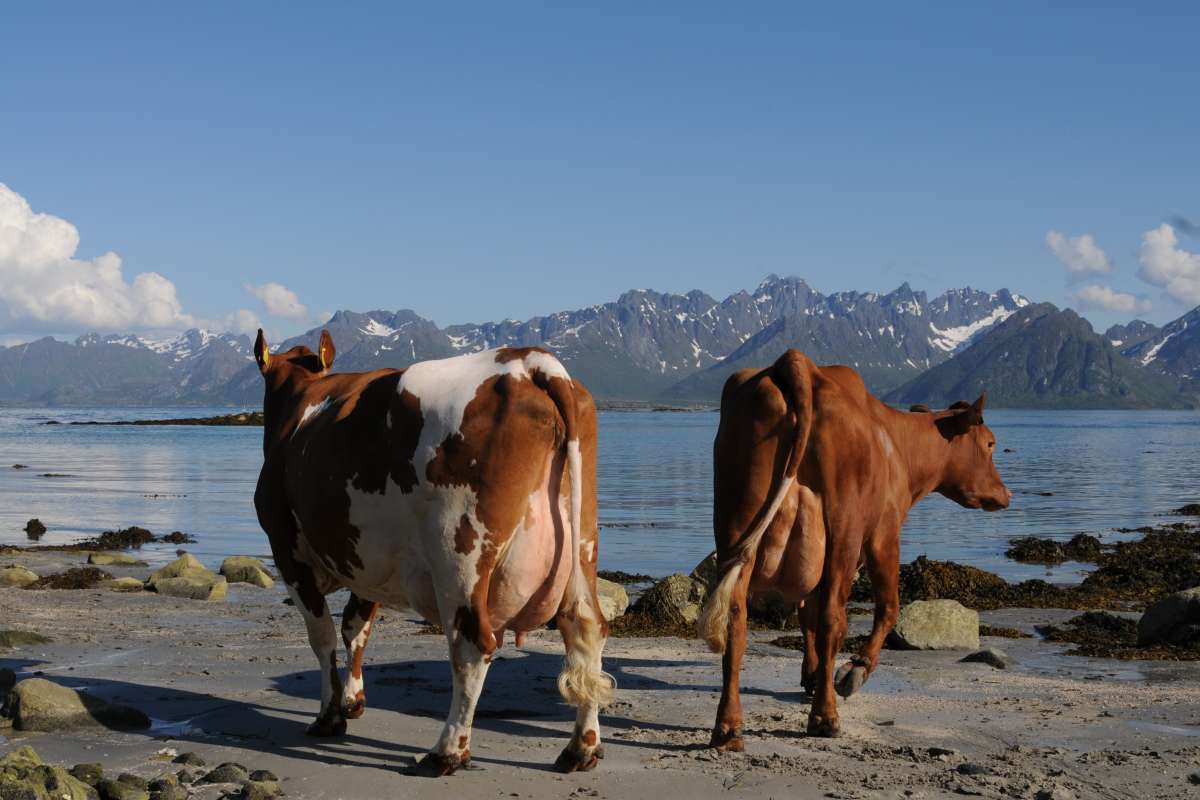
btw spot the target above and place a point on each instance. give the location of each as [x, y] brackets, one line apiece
[1128, 575]
[1035, 550]
[131, 538]
[74, 578]
[624, 578]
[1099, 634]
[632, 624]
[1002, 632]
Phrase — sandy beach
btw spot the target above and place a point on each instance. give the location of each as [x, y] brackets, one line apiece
[236, 681]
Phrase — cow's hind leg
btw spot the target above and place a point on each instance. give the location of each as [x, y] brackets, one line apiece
[583, 683]
[469, 666]
[322, 637]
[357, 620]
[727, 732]
[883, 565]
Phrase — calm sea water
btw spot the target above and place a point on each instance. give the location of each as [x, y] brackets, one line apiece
[1105, 470]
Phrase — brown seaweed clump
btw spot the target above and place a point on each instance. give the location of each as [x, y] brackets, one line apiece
[1163, 561]
[74, 578]
[1099, 634]
[1034, 550]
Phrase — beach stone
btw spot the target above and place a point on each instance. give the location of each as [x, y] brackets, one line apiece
[185, 777]
[246, 569]
[676, 599]
[1175, 619]
[114, 560]
[90, 773]
[14, 638]
[193, 587]
[613, 598]
[120, 790]
[189, 759]
[992, 656]
[122, 585]
[259, 790]
[23, 775]
[175, 792]
[936, 625]
[228, 772]
[263, 775]
[16, 576]
[39, 705]
[134, 780]
[186, 564]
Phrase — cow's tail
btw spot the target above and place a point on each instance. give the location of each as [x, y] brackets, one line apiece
[582, 681]
[792, 374]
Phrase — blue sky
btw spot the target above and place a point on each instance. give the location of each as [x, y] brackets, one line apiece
[491, 161]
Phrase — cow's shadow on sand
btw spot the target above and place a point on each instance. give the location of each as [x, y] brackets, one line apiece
[519, 699]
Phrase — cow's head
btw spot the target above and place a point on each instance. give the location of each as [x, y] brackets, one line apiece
[970, 477]
[297, 363]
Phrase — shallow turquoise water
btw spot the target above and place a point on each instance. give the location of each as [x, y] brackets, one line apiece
[1106, 469]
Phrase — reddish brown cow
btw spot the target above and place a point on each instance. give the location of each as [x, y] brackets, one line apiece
[813, 476]
[464, 489]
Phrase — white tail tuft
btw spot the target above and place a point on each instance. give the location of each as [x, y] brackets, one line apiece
[582, 681]
[713, 624]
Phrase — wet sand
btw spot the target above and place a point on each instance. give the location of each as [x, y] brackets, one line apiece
[236, 681]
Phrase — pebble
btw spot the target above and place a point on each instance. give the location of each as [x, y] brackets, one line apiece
[970, 768]
[190, 759]
[992, 656]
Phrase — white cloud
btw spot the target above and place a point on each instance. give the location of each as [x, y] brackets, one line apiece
[44, 286]
[1164, 263]
[241, 321]
[279, 301]
[1081, 254]
[1103, 298]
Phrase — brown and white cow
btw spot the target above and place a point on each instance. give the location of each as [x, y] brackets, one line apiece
[464, 489]
[813, 476]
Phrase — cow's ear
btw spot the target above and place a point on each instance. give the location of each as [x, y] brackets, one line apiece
[262, 353]
[977, 408]
[326, 351]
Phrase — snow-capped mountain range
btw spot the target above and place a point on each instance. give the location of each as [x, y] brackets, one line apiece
[644, 346]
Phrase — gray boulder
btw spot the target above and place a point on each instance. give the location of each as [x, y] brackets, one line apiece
[39, 705]
[15, 638]
[186, 577]
[193, 587]
[613, 598]
[23, 775]
[992, 656]
[1175, 619]
[114, 560]
[122, 585]
[16, 576]
[186, 564]
[936, 625]
[675, 600]
[246, 569]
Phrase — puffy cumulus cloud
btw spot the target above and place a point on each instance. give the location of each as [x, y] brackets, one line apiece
[1162, 262]
[1081, 254]
[1103, 298]
[241, 321]
[279, 301]
[44, 286]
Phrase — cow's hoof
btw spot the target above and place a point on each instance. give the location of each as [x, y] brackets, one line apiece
[325, 728]
[571, 760]
[354, 709]
[824, 727]
[849, 678]
[727, 741]
[437, 765]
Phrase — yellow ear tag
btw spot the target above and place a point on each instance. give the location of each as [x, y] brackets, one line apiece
[266, 357]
